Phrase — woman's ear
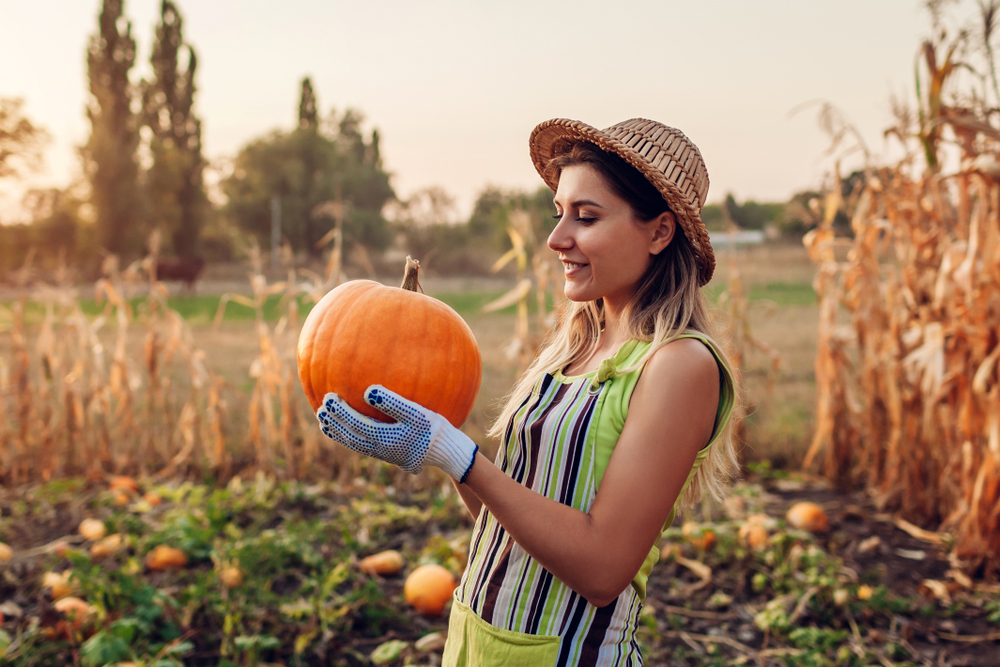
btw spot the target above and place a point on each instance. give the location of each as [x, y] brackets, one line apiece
[663, 228]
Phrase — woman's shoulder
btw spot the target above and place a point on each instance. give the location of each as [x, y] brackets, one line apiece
[686, 360]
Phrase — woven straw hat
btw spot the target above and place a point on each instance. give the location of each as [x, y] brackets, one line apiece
[662, 154]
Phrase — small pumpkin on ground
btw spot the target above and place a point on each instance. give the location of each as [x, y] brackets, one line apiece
[363, 333]
[702, 537]
[92, 529]
[231, 576]
[163, 557]
[808, 516]
[123, 483]
[76, 611]
[58, 584]
[384, 562]
[106, 546]
[428, 589]
[753, 535]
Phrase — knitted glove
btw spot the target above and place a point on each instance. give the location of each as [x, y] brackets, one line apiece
[417, 437]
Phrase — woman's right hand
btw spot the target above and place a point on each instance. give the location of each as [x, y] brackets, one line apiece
[418, 435]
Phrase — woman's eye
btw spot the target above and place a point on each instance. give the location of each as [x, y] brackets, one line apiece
[586, 221]
[557, 216]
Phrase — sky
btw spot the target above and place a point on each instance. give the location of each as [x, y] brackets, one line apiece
[455, 87]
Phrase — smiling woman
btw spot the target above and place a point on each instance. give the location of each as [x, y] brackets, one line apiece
[622, 417]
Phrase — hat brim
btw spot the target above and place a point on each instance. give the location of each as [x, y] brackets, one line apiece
[553, 137]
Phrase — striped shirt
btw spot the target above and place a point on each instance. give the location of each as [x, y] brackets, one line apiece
[549, 446]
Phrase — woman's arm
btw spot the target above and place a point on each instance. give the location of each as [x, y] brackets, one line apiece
[471, 500]
[670, 417]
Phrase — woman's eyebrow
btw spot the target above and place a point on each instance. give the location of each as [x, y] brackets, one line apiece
[581, 202]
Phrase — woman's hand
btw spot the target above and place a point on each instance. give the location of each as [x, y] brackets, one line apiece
[419, 436]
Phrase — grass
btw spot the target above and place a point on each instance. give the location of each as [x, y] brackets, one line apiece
[199, 309]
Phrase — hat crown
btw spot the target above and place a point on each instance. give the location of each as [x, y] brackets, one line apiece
[669, 151]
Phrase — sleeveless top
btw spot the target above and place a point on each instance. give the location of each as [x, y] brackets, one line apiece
[508, 609]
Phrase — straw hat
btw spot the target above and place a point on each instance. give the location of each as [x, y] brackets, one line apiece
[662, 154]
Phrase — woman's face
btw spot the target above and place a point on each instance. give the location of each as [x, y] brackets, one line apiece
[604, 248]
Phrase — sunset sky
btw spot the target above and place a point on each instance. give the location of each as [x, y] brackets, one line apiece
[456, 87]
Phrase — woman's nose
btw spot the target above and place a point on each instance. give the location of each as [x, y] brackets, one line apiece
[559, 238]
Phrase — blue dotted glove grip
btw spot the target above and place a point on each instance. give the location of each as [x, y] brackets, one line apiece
[417, 436]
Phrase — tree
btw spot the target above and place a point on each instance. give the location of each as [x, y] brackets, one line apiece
[308, 118]
[175, 181]
[305, 168]
[491, 213]
[21, 141]
[711, 215]
[751, 215]
[110, 152]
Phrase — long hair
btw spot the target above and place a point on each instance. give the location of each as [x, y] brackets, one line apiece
[667, 303]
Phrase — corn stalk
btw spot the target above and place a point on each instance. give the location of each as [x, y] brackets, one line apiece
[522, 346]
[909, 337]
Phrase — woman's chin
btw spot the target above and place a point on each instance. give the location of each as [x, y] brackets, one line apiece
[577, 294]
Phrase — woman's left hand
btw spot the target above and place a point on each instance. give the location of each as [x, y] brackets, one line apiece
[417, 437]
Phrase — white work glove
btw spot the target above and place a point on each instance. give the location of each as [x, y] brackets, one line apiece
[419, 436]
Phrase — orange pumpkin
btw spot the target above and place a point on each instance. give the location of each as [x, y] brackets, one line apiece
[428, 589]
[363, 333]
[384, 562]
[808, 516]
[76, 611]
[123, 483]
[163, 557]
[231, 576]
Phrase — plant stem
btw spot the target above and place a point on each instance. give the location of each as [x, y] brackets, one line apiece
[410, 276]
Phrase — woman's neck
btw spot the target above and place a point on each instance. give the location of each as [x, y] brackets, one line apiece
[613, 334]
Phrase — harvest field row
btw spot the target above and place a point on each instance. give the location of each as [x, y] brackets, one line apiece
[270, 574]
[781, 311]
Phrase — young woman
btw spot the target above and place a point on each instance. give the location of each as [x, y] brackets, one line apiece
[622, 417]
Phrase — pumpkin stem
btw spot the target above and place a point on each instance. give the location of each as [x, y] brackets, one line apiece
[410, 281]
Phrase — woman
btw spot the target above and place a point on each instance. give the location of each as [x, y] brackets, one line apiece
[623, 415]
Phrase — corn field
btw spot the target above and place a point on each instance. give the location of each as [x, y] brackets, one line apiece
[909, 336]
[129, 392]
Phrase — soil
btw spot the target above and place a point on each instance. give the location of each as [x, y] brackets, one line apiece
[934, 632]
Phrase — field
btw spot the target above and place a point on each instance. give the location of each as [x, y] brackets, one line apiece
[782, 313]
[869, 590]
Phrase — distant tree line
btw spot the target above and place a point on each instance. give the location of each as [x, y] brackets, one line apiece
[144, 171]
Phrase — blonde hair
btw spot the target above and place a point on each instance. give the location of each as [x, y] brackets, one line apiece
[667, 303]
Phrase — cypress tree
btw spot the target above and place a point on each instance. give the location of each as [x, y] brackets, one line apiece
[308, 119]
[110, 152]
[175, 182]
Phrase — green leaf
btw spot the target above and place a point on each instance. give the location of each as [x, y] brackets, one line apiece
[336, 577]
[169, 662]
[126, 629]
[4, 642]
[255, 642]
[180, 648]
[388, 651]
[303, 641]
[103, 648]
